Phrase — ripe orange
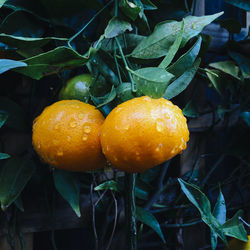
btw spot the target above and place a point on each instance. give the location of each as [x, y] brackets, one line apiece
[67, 136]
[142, 133]
[235, 244]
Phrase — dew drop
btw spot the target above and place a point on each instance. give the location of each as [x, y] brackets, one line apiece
[56, 126]
[159, 147]
[146, 98]
[81, 116]
[126, 127]
[87, 129]
[85, 137]
[73, 124]
[38, 145]
[107, 148]
[159, 125]
[68, 138]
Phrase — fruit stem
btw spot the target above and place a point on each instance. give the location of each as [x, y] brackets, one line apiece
[130, 210]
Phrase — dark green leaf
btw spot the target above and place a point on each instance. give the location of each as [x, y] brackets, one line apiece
[182, 82]
[148, 5]
[200, 201]
[186, 60]
[124, 92]
[243, 4]
[147, 218]
[19, 203]
[68, 186]
[14, 176]
[246, 117]
[27, 42]
[129, 9]
[102, 101]
[54, 61]
[110, 185]
[165, 33]
[152, 81]
[3, 118]
[190, 110]
[116, 27]
[2, 2]
[228, 67]
[217, 80]
[7, 64]
[219, 211]
[4, 156]
[173, 49]
[231, 25]
[235, 228]
[16, 115]
[243, 62]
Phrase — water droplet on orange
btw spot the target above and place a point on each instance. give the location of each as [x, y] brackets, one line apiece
[38, 145]
[73, 124]
[85, 137]
[68, 138]
[87, 129]
[81, 116]
[56, 126]
[159, 125]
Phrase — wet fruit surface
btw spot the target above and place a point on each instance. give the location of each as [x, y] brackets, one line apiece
[142, 133]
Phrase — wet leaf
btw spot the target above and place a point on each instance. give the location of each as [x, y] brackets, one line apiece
[243, 4]
[217, 80]
[182, 82]
[110, 185]
[116, 27]
[4, 156]
[129, 9]
[2, 2]
[7, 64]
[3, 118]
[102, 101]
[152, 81]
[68, 186]
[246, 117]
[15, 174]
[159, 42]
[147, 218]
[190, 110]
[186, 60]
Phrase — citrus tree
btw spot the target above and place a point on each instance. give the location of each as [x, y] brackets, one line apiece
[93, 84]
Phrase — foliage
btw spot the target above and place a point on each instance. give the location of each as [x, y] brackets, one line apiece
[140, 47]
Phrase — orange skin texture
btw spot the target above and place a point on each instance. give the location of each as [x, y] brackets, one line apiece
[142, 133]
[67, 136]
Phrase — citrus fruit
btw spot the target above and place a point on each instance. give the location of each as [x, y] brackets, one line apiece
[142, 133]
[67, 136]
[79, 86]
[236, 244]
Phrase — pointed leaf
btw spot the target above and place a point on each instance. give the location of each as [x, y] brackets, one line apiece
[27, 42]
[7, 64]
[243, 4]
[111, 185]
[217, 80]
[147, 218]
[2, 2]
[102, 101]
[246, 117]
[186, 60]
[190, 110]
[4, 156]
[235, 228]
[68, 186]
[3, 118]
[116, 27]
[182, 82]
[129, 9]
[165, 33]
[152, 81]
[219, 211]
[227, 67]
[173, 49]
[14, 176]
[200, 201]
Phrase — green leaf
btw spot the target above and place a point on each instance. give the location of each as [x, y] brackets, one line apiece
[7, 64]
[190, 110]
[19, 203]
[235, 228]
[186, 60]
[124, 92]
[182, 82]
[102, 101]
[68, 186]
[243, 4]
[54, 61]
[152, 81]
[228, 67]
[110, 185]
[217, 80]
[116, 27]
[246, 117]
[200, 201]
[2, 2]
[243, 62]
[15, 174]
[129, 9]
[16, 115]
[4, 156]
[27, 42]
[148, 5]
[173, 49]
[147, 218]
[3, 118]
[231, 25]
[159, 42]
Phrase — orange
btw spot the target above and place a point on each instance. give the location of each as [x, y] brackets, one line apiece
[142, 133]
[236, 244]
[67, 136]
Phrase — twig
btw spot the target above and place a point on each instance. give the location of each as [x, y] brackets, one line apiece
[244, 222]
[115, 221]
[93, 215]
